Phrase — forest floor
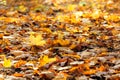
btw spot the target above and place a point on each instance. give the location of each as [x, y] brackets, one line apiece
[60, 40]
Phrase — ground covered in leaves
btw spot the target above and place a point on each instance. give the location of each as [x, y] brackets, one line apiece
[60, 40]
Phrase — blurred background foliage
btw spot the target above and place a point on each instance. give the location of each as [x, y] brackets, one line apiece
[24, 5]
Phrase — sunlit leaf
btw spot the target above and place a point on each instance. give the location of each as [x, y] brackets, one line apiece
[36, 40]
[96, 14]
[45, 60]
[112, 17]
[71, 7]
[7, 63]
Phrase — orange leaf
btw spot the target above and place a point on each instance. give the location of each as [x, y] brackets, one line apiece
[89, 72]
[72, 46]
[74, 68]
[19, 63]
[46, 30]
[36, 72]
[63, 42]
[18, 74]
[101, 68]
[1, 36]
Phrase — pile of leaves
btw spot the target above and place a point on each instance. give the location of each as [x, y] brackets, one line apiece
[60, 40]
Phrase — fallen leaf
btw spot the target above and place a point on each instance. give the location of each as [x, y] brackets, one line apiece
[74, 68]
[101, 68]
[36, 40]
[72, 55]
[62, 42]
[61, 76]
[18, 74]
[89, 72]
[71, 7]
[19, 63]
[45, 60]
[7, 63]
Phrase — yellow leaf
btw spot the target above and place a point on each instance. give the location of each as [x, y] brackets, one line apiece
[2, 18]
[71, 7]
[96, 14]
[22, 8]
[112, 17]
[7, 63]
[45, 60]
[36, 40]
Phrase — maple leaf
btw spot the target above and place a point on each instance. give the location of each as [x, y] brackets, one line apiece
[36, 40]
[44, 60]
[7, 63]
